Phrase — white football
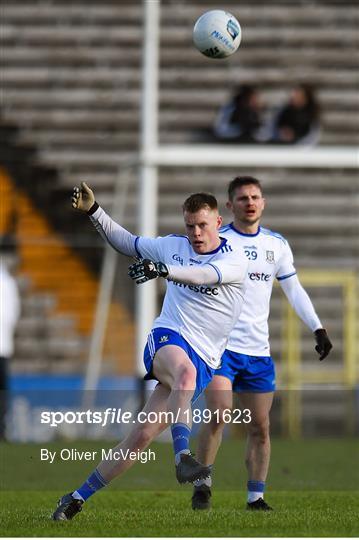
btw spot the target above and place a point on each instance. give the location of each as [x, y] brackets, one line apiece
[217, 34]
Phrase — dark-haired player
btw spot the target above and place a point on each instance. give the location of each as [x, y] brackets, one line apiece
[247, 366]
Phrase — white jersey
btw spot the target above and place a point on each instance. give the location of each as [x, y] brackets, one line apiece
[269, 257]
[203, 314]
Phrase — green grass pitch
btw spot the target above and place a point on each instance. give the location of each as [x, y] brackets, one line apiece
[313, 486]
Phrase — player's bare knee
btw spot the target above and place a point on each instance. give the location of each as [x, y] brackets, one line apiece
[216, 425]
[219, 417]
[186, 377]
[259, 430]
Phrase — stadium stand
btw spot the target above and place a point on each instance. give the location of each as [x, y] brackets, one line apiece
[59, 294]
[71, 87]
[63, 61]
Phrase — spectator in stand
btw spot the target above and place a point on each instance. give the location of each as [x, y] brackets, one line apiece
[9, 315]
[240, 120]
[297, 121]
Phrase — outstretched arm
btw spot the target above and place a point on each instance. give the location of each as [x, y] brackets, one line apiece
[300, 301]
[145, 269]
[231, 268]
[303, 306]
[119, 238]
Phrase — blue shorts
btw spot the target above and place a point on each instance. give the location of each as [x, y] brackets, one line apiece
[158, 338]
[248, 373]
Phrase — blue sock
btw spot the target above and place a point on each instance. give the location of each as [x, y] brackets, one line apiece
[92, 484]
[255, 490]
[205, 481]
[180, 435]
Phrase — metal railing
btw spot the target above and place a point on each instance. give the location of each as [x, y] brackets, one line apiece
[293, 377]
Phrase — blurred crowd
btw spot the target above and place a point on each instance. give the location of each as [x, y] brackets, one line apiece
[244, 119]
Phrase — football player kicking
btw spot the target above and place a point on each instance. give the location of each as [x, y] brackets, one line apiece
[247, 367]
[204, 296]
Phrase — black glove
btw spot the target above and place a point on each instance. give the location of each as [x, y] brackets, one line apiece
[145, 269]
[323, 345]
[83, 198]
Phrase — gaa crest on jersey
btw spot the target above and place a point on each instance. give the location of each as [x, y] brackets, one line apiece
[270, 257]
[178, 258]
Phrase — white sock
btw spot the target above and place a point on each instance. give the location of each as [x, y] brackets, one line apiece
[178, 455]
[203, 482]
[253, 496]
[77, 495]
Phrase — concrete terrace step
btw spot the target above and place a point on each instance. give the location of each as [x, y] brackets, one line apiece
[27, 365]
[28, 326]
[72, 56]
[212, 99]
[71, 98]
[309, 225]
[189, 77]
[104, 140]
[172, 35]
[175, 184]
[101, 77]
[37, 303]
[61, 34]
[92, 55]
[309, 182]
[194, 78]
[32, 347]
[23, 13]
[268, 13]
[48, 108]
[84, 140]
[279, 204]
[340, 138]
[124, 122]
[289, 34]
